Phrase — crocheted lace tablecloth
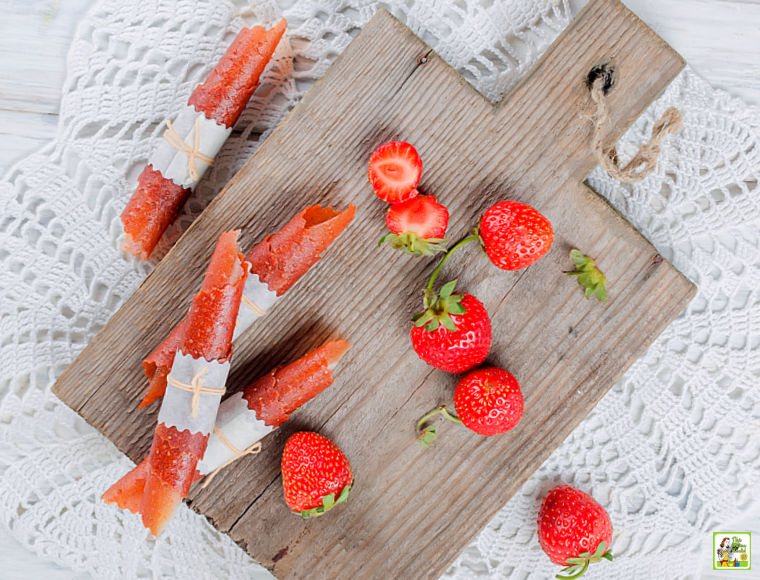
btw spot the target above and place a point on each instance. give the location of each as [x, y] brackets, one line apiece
[672, 451]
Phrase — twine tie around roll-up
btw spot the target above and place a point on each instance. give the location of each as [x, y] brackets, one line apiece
[196, 388]
[252, 305]
[193, 152]
[252, 449]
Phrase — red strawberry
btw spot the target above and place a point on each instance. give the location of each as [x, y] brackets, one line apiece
[394, 171]
[488, 401]
[573, 529]
[453, 333]
[514, 235]
[315, 474]
[418, 225]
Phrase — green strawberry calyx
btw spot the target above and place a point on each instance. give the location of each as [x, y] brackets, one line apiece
[578, 566]
[589, 276]
[427, 435]
[413, 244]
[328, 503]
[438, 306]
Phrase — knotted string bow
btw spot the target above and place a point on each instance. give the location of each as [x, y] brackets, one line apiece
[237, 454]
[193, 152]
[196, 388]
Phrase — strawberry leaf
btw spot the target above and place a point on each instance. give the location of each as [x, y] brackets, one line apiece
[447, 323]
[343, 497]
[589, 276]
[574, 572]
[428, 436]
[447, 289]
[422, 318]
[414, 245]
[390, 238]
[580, 564]
[599, 551]
[328, 502]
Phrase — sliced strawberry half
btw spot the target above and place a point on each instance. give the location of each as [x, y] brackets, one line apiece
[418, 225]
[394, 171]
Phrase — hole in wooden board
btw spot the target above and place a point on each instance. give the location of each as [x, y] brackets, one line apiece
[605, 70]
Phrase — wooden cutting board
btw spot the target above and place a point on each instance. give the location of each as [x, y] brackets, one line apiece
[413, 510]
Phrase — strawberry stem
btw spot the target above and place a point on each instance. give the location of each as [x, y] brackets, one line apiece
[443, 410]
[427, 436]
[459, 244]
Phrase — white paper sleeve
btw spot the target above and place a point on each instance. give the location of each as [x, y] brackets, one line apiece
[257, 299]
[174, 163]
[241, 428]
[177, 406]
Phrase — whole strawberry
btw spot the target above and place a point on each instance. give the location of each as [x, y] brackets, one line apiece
[488, 401]
[417, 225]
[453, 333]
[394, 171]
[514, 235]
[316, 475]
[573, 530]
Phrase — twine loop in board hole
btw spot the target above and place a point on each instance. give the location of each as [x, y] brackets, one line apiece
[600, 80]
[237, 454]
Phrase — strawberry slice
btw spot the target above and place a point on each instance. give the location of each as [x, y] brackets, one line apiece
[394, 171]
[418, 225]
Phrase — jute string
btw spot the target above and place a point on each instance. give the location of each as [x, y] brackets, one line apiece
[193, 152]
[195, 387]
[645, 160]
[238, 453]
[252, 305]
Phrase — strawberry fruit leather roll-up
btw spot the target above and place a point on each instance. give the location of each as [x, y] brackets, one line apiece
[246, 417]
[229, 87]
[276, 395]
[152, 207]
[156, 486]
[277, 262]
[212, 110]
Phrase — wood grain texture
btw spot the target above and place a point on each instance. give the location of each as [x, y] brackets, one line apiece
[565, 351]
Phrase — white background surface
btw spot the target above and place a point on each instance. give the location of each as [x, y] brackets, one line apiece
[719, 38]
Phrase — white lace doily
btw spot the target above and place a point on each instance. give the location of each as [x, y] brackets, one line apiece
[672, 451]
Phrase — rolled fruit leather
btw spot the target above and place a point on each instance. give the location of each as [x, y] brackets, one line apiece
[277, 263]
[247, 417]
[196, 383]
[194, 137]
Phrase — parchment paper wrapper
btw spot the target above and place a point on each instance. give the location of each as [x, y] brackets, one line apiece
[177, 406]
[258, 293]
[173, 163]
[241, 428]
